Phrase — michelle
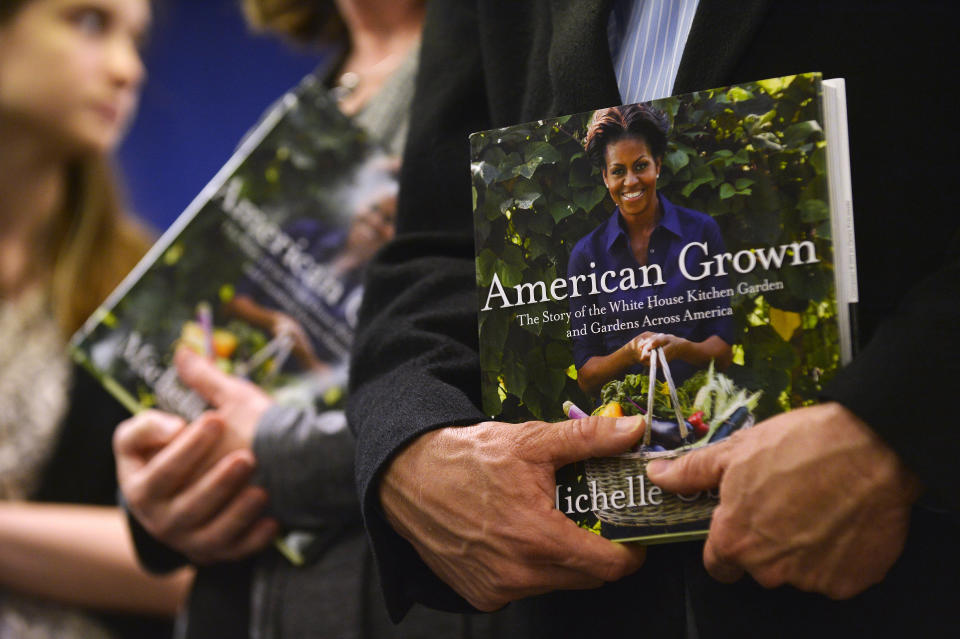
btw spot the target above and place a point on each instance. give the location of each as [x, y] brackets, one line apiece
[628, 144]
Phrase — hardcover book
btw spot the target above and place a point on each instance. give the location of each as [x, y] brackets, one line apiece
[689, 259]
[262, 272]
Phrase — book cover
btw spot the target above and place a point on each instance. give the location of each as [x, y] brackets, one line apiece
[692, 240]
[263, 270]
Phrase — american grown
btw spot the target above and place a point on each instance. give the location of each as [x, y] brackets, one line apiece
[744, 261]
